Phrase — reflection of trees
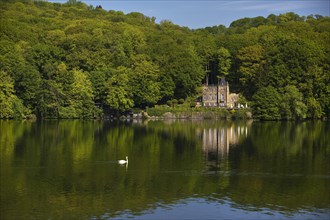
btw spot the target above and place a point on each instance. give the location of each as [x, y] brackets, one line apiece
[10, 132]
[291, 160]
[67, 169]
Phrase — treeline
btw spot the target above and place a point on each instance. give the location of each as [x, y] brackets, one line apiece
[75, 61]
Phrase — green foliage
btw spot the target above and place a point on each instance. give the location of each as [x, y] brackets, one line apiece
[174, 102]
[144, 82]
[292, 106]
[119, 96]
[10, 105]
[314, 109]
[158, 110]
[81, 98]
[224, 61]
[267, 104]
[242, 100]
[51, 98]
[98, 80]
[251, 63]
[65, 59]
[68, 112]
[186, 111]
[192, 104]
[6, 95]
[241, 114]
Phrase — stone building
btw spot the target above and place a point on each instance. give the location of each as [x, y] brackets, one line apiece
[218, 95]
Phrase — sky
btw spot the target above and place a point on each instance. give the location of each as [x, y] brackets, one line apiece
[202, 13]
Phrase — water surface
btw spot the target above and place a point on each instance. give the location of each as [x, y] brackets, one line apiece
[177, 169]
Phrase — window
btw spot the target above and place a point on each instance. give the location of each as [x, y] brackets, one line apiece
[222, 97]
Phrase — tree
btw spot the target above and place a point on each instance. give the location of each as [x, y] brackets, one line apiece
[292, 106]
[186, 72]
[45, 58]
[119, 96]
[72, 2]
[65, 58]
[289, 16]
[251, 64]
[166, 87]
[224, 61]
[98, 79]
[50, 99]
[10, 105]
[80, 103]
[144, 81]
[266, 104]
[314, 109]
[289, 59]
[27, 85]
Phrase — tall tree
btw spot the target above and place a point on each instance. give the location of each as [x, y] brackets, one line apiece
[10, 105]
[119, 96]
[80, 103]
[292, 106]
[267, 101]
[224, 61]
[251, 68]
[144, 81]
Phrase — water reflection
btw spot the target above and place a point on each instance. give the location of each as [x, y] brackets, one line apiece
[69, 169]
[217, 140]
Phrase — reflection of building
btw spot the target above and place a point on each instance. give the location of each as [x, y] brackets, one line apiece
[216, 141]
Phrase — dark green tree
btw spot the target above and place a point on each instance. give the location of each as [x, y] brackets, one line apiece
[266, 104]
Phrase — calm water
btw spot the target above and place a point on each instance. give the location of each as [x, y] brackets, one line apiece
[187, 169]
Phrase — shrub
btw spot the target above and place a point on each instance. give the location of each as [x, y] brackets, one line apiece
[174, 102]
[192, 104]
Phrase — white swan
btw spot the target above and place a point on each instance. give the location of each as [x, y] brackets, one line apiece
[123, 161]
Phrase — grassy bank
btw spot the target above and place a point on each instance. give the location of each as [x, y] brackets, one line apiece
[184, 111]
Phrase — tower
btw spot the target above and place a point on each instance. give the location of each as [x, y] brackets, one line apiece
[223, 92]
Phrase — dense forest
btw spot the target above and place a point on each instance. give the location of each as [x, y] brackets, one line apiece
[77, 61]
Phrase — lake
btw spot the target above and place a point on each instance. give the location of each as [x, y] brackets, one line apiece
[176, 169]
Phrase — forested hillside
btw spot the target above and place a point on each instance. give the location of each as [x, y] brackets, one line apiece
[73, 61]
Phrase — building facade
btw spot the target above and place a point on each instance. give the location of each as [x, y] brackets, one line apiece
[218, 95]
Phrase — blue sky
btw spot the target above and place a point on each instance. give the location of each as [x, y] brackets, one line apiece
[203, 13]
